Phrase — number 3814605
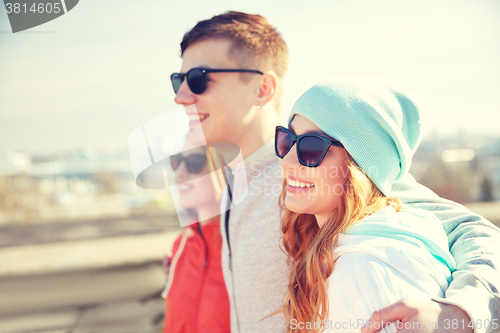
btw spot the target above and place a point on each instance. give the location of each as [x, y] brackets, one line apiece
[40, 8]
[479, 324]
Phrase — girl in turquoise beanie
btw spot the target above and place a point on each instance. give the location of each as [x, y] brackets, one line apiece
[354, 248]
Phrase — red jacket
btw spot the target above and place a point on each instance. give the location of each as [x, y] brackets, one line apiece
[196, 298]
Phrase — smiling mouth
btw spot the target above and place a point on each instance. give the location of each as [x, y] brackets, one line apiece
[298, 184]
[183, 187]
[194, 118]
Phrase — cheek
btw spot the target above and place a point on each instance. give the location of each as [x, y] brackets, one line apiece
[182, 176]
[236, 104]
[204, 189]
[335, 188]
[331, 186]
[222, 115]
[201, 193]
[205, 184]
[337, 183]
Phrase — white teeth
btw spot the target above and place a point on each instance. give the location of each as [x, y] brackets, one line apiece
[296, 183]
[194, 117]
[184, 187]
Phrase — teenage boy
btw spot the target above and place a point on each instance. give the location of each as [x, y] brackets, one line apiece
[242, 106]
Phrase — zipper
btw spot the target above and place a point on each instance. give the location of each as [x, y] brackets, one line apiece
[231, 268]
[226, 225]
[226, 220]
[204, 272]
[234, 302]
[206, 246]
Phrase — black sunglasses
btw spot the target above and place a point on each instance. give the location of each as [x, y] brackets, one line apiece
[311, 148]
[194, 162]
[197, 78]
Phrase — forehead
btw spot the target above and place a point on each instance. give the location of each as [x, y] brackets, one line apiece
[302, 125]
[208, 53]
[189, 150]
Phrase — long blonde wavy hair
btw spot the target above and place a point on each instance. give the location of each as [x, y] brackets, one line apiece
[310, 248]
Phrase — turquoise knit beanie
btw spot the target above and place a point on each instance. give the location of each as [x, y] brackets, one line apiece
[377, 122]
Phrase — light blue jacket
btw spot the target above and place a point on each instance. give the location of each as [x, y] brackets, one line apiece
[383, 258]
[474, 243]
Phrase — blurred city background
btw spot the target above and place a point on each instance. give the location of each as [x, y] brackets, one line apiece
[81, 245]
[76, 220]
[89, 184]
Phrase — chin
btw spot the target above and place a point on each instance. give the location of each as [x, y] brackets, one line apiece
[197, 138]
[299, 207]
[186, 204]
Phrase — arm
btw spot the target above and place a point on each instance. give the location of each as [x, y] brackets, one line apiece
[373, 277]
[167, 261]
[474, 243]
[438, 316]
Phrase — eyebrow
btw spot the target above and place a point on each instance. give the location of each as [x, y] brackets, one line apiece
[315, 131]
[201, 66]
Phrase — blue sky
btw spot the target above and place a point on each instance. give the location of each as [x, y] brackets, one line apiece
[93, 75]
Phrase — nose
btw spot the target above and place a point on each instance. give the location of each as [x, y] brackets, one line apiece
[181, 174]
[184, 95]
[291, 161]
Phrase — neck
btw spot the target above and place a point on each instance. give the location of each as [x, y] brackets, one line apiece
[261, 132]
[207, 212]
[321, 220]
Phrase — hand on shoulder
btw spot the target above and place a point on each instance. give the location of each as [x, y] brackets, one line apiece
[415, 315]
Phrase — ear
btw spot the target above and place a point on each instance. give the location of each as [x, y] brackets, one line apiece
[267, 88]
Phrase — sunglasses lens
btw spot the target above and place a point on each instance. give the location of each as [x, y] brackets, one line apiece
[175, 161]
[195, 163]
[196, 81]
[310, 150]
[283, 142]
[176, 79]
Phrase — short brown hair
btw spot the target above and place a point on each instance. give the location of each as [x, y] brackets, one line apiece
[256, 44]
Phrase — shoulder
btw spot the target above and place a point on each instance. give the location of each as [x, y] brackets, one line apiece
[408, 218]
[184, 237]
[415, 230]
[362, 283]
[367, 279]
[369, 268]
[388, 266]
